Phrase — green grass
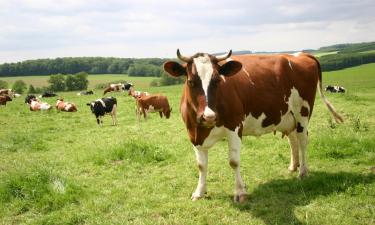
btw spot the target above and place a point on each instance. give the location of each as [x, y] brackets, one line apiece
[41, 81]
[61, 168]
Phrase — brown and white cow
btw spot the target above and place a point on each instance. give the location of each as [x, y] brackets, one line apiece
[153, 103]
[118, 87]
[137, 94]
[37, 105]
[65, 106]
[247, 95]
[8, 92]
[4, 99]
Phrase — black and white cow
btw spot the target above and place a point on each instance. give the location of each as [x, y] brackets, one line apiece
[28, 98]
[85, 93]
[335, 89]
[103, 106]
[47, 94]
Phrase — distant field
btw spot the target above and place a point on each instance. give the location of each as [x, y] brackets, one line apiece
[61, 168]
[40, 81]
[324, 53]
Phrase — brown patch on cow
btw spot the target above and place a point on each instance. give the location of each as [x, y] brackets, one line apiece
[158, 102]
[304, 111]
[233, 164]
[299, 128]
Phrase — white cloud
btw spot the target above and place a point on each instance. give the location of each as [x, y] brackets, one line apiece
[145, 28]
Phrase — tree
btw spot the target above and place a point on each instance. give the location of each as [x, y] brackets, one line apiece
[57, 82]
[19, 86]
[31, 89]
[3, 84]
[77, 82]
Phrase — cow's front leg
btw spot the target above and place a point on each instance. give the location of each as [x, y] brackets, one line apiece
[202, 160]
[234, 144]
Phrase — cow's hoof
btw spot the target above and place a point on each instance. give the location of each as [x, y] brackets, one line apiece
[240, 198]
[196, 197]
[302, 173]
[292, 168]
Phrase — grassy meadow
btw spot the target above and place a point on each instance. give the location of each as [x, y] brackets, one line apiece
[61, 168]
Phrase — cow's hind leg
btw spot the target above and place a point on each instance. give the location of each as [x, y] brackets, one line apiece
[302, 136]
[294, 154]
[234, 144]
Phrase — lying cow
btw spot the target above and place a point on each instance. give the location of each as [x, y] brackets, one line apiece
[335, 89]
[153, 103]
[118, 87]
[8, 92]
[137, 94]
[85, 93]
[4, 99]
[28, 98]
[242, 95]
[37, 105]
[47, 94]
[65, 106]
[103, 106]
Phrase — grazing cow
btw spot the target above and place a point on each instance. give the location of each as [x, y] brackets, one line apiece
[4, 99]
[37, 105]
[86, 93]
[47, 94]
[28, 98]
[8, 92]
[335, 89]
[153, 103]
[65, 106]
[137, 94]
[103, 106]
[247, 95]
[118, 87]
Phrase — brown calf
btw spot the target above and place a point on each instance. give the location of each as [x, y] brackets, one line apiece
[65, 106]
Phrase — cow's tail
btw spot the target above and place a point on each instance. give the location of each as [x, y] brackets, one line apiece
[338, 117]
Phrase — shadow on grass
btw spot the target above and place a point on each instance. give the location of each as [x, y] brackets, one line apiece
[274, 202]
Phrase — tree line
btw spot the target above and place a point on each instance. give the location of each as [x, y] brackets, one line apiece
[345, 60]
[91, 65]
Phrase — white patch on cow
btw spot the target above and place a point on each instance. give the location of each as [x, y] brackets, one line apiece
[208, 112]
[290, 64]
[205, 70]
[253, 126]
[215, 135]
[101, 102]
[67, 106]
[151, 108]
[45, 106]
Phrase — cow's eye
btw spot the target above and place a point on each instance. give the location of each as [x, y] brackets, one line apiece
[190, 83]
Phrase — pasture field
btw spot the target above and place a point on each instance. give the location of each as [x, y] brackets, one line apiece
[41, 81]
[61, 168]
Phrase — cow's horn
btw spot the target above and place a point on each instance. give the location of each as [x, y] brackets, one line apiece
[183, 58]
[224, 57]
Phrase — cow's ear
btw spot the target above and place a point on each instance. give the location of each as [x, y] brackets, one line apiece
[174, 69]
[230, 68]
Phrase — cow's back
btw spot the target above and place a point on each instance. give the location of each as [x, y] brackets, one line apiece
[263, 87]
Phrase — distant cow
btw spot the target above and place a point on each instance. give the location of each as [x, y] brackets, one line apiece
[47, 94]
[153, 103]
[8, 92]
[28, 98]
[103, 106]
[118, 87]
[65, 106]
[335, 89]
[85, 93]
[137, 94]
[4, 99]
[37, 105]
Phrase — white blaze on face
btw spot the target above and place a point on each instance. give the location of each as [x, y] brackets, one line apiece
[205, 71]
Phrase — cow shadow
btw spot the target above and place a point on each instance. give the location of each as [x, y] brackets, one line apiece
[274, 202]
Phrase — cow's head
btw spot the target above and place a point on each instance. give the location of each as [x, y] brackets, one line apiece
[203, 74]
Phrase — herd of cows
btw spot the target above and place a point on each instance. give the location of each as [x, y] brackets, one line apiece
[231, 96]
[145, 102]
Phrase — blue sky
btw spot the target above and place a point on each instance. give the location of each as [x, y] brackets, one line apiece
[31, 29]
